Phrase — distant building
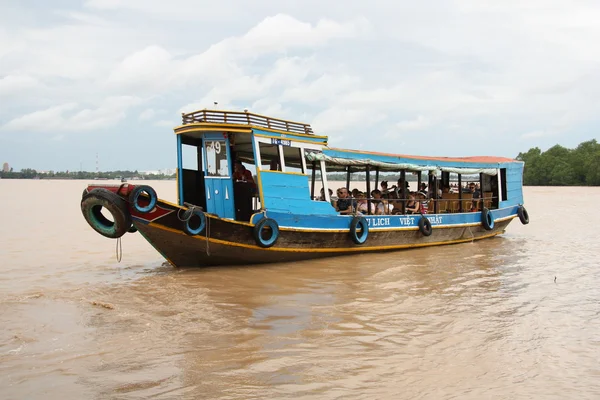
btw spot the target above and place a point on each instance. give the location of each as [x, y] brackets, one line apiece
[5, 167]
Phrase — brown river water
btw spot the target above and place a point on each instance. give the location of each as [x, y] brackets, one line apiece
[468, 321]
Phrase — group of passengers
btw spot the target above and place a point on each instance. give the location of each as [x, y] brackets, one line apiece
[357, 203]
[387, 201]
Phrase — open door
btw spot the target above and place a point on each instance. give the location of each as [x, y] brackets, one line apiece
[217, 177]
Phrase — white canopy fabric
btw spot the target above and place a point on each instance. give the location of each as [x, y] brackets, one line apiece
[387, 166]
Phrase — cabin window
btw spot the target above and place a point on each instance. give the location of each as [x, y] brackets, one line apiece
[293, 159]
[270, 156]
[189, 156]
[217, 163]
[503, 183]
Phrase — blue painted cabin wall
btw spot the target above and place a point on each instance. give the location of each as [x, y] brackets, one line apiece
[514, 184]
[289, 193]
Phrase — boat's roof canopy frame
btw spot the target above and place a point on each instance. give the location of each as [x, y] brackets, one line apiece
[360, 161]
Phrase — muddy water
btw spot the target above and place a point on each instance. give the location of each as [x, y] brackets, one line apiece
[470, 321]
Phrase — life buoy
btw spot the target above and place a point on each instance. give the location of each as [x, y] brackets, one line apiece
[359, 223]
[425, 226]
[523, 215]
[195, 223]
[261, 232]
[487, 220]
[134, 198]
[91, 208]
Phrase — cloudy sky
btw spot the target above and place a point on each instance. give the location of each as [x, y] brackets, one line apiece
[459, 78]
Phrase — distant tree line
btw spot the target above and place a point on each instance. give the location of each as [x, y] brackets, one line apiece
[29, 173]
[559, 166]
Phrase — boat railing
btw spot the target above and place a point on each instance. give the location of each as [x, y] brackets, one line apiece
[245, 118]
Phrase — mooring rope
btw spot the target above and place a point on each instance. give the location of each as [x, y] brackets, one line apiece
[119, 250]
[187, 214]
[207, 236]
[472, 236]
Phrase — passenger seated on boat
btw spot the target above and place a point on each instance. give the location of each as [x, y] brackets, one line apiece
[412, 206]
[385, 191]
[363, 205]
[322, 197]
[394, 203]
[241, 174]
[344, 203]
[476, 195]
[355, 192]
[424, 203]
[402, 183]
[382, 207]
[423, 189]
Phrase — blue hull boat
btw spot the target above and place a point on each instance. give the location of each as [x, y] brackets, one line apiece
[254, 189]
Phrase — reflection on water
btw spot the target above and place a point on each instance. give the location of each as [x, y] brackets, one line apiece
[475, 320]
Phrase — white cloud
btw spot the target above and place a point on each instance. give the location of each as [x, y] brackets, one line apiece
[16, 84]
[149, 66]
[71, 117]
[155, 68]
[169, 123]
[147, 114]
[490, 69]
[336, 119]
[413, 125]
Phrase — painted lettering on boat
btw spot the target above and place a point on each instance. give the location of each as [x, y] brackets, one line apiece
[407, 221]
[435, 219]
[383, 221]
[404, 220]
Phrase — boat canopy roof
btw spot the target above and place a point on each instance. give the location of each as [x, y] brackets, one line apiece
[393, 162]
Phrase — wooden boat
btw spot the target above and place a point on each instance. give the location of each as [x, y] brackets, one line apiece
[222, 217]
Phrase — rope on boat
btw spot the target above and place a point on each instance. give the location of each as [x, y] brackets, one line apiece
[207, 236]
[119, 250]
[472, 236]
[187, 214]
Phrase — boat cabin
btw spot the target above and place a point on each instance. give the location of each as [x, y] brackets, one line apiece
[235, 164]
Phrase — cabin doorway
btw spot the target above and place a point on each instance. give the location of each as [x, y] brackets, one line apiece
[218, 175]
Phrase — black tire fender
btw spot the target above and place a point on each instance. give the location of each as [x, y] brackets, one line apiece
[425, 226]
[359, 223]
[259, 230]
[523, 215]
[194, 223]
[487, 220]
[91, 208]
[134, 197]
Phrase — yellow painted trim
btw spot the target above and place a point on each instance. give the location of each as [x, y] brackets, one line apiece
[208, 128]
[505, 218]
[394, 229]
[290, 139]
[281, 172]
[172, 204]
[178, 207]
[177, 184]
[324, 250]
[244, 128]
[159, 251]
[259, 187]
[316, 230]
